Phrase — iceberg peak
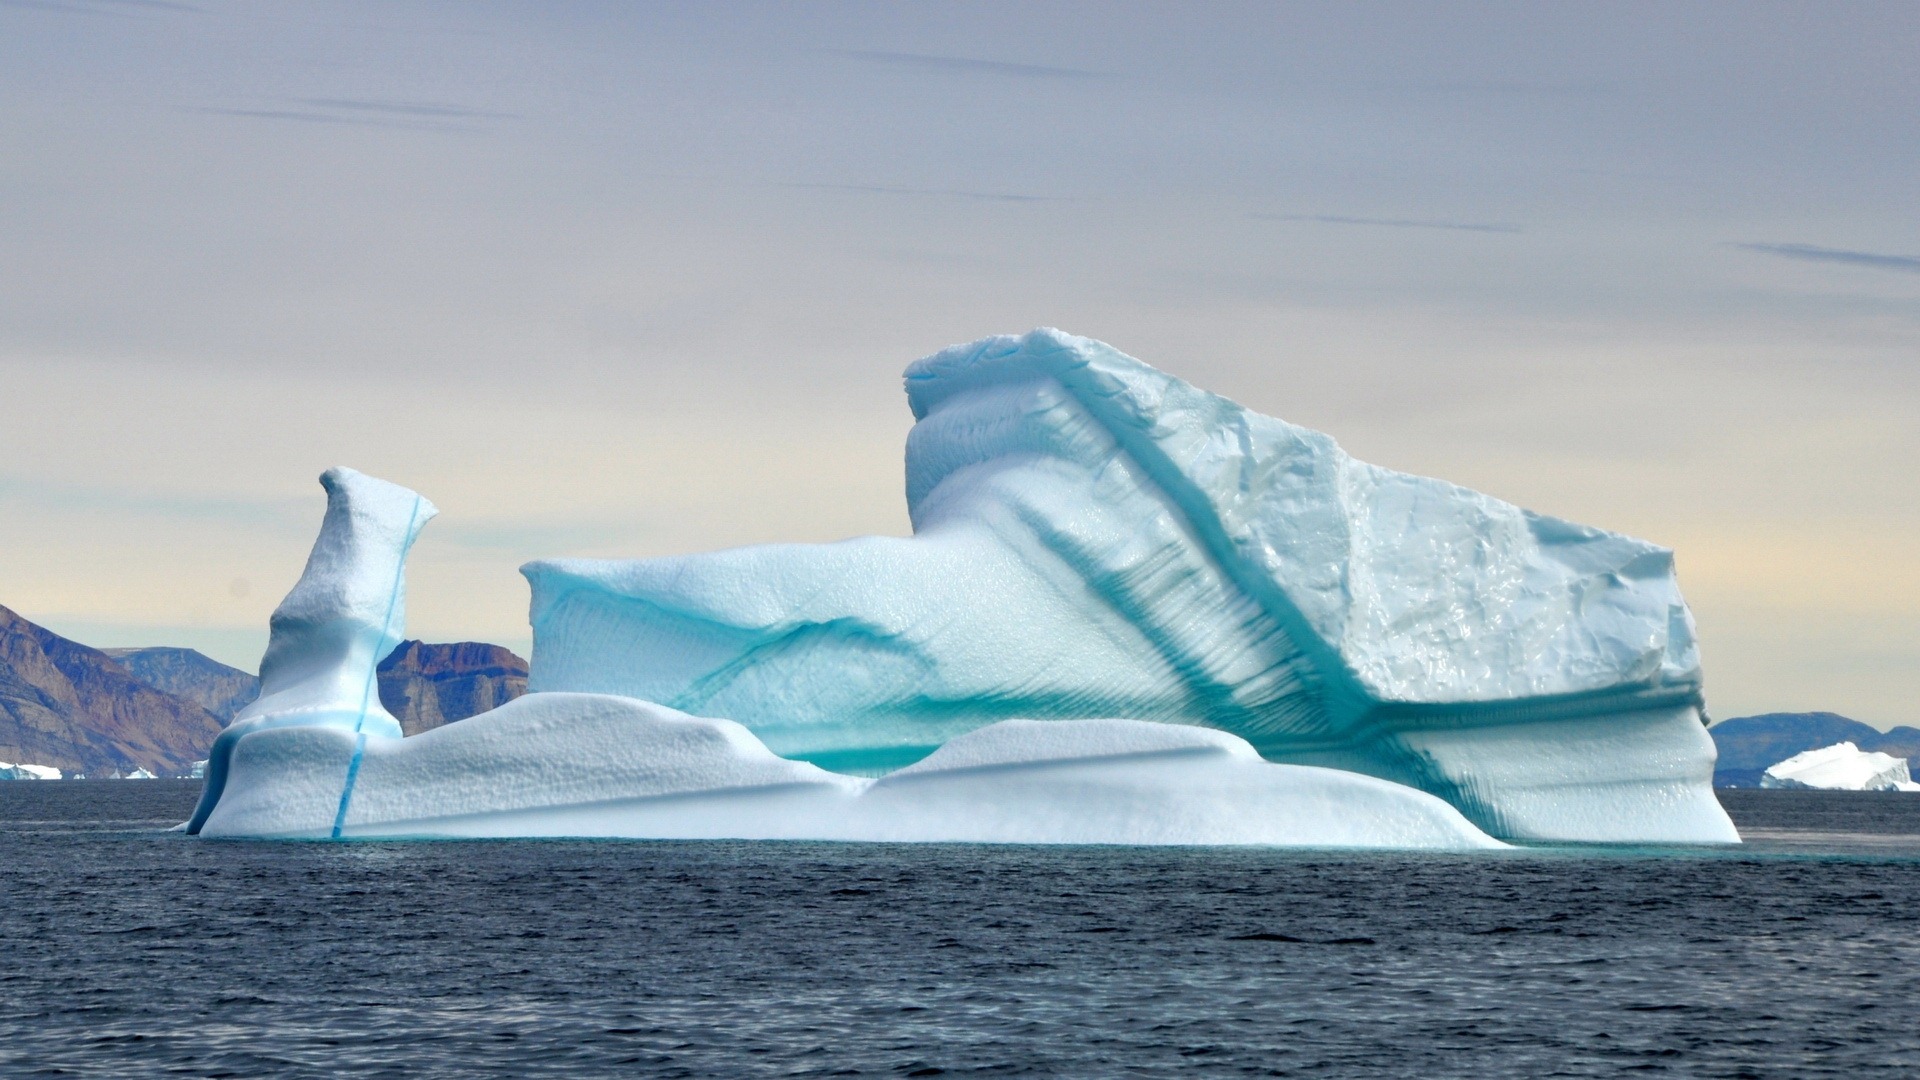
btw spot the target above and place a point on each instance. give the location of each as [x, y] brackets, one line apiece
[344, 615]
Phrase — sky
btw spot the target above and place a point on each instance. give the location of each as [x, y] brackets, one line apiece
[625, 280]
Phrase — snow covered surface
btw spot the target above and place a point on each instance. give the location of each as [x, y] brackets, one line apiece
[1095, 538]
[562, 764]
[1841, 767]
[22, 771]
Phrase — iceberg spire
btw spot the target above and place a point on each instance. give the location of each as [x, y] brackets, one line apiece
[346, 613]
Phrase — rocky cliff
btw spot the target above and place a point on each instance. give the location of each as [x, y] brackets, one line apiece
[425, 686]
[107, 712]
[79, 710]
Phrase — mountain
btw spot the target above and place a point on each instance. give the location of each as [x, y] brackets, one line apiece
[1902, 741]
[1748, 744]
[215, 687]
[108, 712]
[425, 686]
[79, 710]
[422, 685]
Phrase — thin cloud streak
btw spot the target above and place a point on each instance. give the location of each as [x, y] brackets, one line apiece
[328, 118]
[351, 112]
[985, 196]
[102, 7]
[970, 65]
[1395, 223]
[405, 108]
[1814, 253]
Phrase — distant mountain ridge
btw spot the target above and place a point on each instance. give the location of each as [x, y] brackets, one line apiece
[108, 712]
[215, 687]
[81, 711]
[422, 685]
[1749, 744]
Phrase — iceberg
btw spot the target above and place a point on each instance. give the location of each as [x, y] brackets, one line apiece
[1130, 612]
[1094, 538]
[326, 639]
[1841, 767]
[22, 771]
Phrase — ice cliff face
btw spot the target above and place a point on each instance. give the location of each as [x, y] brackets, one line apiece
[1094, 538]
[1423, 591]
[346, 613]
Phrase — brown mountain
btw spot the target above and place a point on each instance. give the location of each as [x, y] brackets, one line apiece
[109, 712]
[75, 708]
[425, 686]
[208, 683]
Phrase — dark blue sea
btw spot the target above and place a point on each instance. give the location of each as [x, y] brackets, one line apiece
[127, 951]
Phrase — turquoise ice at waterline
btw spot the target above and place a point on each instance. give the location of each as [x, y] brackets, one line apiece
[1131, 612]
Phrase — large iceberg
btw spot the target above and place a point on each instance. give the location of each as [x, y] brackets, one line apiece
[1840, 767]
[1095, 538]
[1130, 612]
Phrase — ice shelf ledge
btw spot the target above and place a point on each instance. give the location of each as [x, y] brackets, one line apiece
[586, 765]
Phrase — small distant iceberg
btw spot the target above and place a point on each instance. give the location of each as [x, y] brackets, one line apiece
[22, 771]
[139, 774]
[1841, 767]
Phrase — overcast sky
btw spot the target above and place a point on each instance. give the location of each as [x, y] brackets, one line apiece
[628, 280]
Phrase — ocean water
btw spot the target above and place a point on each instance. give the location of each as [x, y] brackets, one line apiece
[126, 951]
